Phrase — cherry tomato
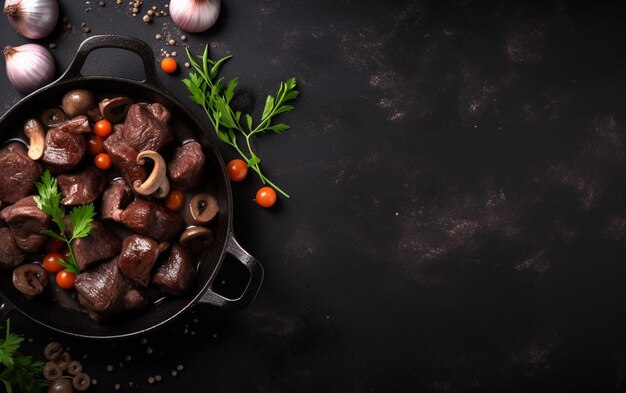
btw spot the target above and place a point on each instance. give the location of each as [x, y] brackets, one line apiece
[175, 200]
[102, 161]
[169, 65]
[65, 279]
[102, 128]
[237, 169]
[95, 144]
[266, 197]
[50, 262]
[53, 244]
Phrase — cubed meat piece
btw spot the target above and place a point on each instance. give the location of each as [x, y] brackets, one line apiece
[124, 157]
[186, 168]
[146, 127]
[175, 273]
[101, 244]
[78, 125]
[105, 291]
[26, 221]
[19, 173]
[64, 150]
[82, 187]
[115, 199]
[152, 220]
[138, 256]
[10, 254]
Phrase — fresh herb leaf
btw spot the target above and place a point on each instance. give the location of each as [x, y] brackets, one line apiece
[207, 90]
[20, 372]
[81, 217]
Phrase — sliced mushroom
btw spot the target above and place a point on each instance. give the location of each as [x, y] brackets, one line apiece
[156, 184]
[52, 371]
[53, 116]
[78, 102]
[196, 238]
[53, 351]
[114, 109]
[30, 279]
[81, 382]
[201, 209]
[33, 129]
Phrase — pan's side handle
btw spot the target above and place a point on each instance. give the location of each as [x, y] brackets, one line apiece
[256, 277]
[134, 45]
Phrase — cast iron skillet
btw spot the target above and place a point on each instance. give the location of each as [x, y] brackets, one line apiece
[48, 313]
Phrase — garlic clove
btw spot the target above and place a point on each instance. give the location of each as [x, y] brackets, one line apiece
[194, 16]
[33, 19]
[29, 67]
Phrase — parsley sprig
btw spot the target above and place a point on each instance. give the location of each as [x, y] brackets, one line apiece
[19, 370]
[81, 217]
[208, 91]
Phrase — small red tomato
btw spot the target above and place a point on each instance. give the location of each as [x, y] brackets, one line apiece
[102, 128]
[53, 244]
[50, 262]
[266, 197]
[65, 279]
[175, 200]
[169, 65]
[95, 145]
[102, 161]
[237, 169]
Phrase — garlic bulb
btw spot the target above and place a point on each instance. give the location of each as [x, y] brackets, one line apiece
[194, 16]
[33, 19]
[29, 66]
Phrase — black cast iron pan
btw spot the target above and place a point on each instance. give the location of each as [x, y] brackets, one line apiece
[49, 313]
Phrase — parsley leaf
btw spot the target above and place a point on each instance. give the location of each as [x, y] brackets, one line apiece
[81, 217]
[20, 371]
[207, 90]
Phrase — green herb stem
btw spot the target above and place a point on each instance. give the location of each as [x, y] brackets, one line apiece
[208, 91]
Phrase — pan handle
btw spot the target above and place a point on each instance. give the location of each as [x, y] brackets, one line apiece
[134, 45]
[256, 277]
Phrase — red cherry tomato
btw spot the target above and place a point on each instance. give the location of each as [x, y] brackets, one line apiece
[95, 145]
[237, 169]
[175, 200]
[65, 279]
[266, 197]
[169, 65]
[50, 262]
[102, 161]
[103, 128]
[54, 244]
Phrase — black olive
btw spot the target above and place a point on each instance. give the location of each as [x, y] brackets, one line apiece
[81, 382]
[52, 371]
[53, 116]
[62, 385]
[74, 367]
[78, 102]
[53, 351]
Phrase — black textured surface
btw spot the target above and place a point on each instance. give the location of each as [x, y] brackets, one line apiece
[457, 215]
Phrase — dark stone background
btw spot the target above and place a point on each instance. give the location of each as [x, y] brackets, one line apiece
[457, 220]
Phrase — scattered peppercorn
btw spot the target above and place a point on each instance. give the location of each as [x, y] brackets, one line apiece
[158, 36]
[53, 45]
[147, 19]
[171, 42]
[183, 38]
[117, 386]
[157, 378]
[151, 380]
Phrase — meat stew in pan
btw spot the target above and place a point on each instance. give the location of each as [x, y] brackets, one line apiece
[155, 212]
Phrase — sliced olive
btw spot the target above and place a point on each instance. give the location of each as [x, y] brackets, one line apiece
[74, 367]
[64, 360]
[202, 208]
[53, 351]
[52, 371]
[81, 382]
[30, 279]
[53, 116]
